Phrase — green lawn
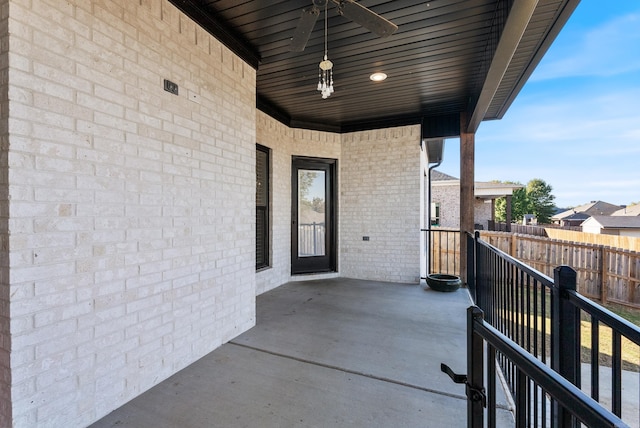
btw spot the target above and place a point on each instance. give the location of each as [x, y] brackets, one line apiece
[630, 351]
[630, 314]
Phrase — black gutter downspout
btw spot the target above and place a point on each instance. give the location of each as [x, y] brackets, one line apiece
[429, 221]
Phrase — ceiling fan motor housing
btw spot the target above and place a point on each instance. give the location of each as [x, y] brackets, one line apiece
[350, 9]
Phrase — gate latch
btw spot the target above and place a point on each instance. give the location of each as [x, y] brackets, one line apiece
[473, 393]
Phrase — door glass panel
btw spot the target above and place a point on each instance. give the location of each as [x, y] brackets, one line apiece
[311, 213]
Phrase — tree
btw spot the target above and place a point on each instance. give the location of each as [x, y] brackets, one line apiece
[535, 198]
[305, 180]
[540, 200]
[519, 204]
[318, 205]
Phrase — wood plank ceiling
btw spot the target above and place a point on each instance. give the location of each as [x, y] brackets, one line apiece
[437, 62]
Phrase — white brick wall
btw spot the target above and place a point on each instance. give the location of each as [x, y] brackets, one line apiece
[277, 137]
[132, 224]
[132, 244]
[380, 198]
[284, 143]
[5, 292]
[379, 182]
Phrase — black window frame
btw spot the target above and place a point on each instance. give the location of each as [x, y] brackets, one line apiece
[263, 224]
[435, 215]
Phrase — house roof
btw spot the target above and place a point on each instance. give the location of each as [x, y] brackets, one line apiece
[591, 209]
[441, 176]
[447, 57]
[493, 190]
[482, 189]
[574, 217]
[614, 222]
[632, 210]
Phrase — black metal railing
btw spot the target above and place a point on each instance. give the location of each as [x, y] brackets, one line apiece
[547, 318]
[621, 331]
[442, 251]
[535, 382]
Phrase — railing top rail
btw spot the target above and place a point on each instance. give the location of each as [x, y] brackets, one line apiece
[537, 275]
[564, 392]
[619, 324]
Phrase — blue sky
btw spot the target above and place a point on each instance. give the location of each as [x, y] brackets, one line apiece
[576, 123]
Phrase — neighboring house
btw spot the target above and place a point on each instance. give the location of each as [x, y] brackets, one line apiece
[570, 218]
[445, 197]
[575, 216]
[632, 210]
[613, 225]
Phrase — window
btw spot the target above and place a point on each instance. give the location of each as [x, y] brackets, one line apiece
[435, 214]
[262, 206]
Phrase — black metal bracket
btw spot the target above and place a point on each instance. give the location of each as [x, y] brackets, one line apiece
[473, 393]
[456, 378]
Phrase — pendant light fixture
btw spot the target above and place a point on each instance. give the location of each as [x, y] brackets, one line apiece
[325, 74]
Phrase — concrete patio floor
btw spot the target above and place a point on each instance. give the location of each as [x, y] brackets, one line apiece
[325, 353]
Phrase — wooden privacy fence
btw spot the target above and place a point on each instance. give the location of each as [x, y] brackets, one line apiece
[517, 228]
[604, 273]
[624, 242]
[444, 250]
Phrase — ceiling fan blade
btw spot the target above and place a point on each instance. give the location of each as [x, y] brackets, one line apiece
[366, 17]
[305, 26]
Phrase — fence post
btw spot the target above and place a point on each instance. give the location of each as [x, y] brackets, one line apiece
[475, 369]
[315, 244]
[604, 280]
[513, 246]
[565, 338]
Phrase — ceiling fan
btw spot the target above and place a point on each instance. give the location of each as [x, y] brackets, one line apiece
[347, 8]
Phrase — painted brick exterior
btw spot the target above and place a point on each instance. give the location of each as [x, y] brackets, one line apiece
[447, 194]
[127, 220]
[5, 291]
[482, 213]
[379, 182]
[380, 198]
[284, 143]
[131, 250]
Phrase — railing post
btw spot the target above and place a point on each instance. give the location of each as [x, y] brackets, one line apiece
[471, 265]
[475, 370]
[481, 272]
[565, 338]
[430, 248]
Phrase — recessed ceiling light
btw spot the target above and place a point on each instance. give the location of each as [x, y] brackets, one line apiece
[378, 77]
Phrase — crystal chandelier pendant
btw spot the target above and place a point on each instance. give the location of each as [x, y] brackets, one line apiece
[325, 78]
[325, 72]
[331, 81]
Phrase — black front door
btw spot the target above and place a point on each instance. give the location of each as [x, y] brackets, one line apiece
[313, 216]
